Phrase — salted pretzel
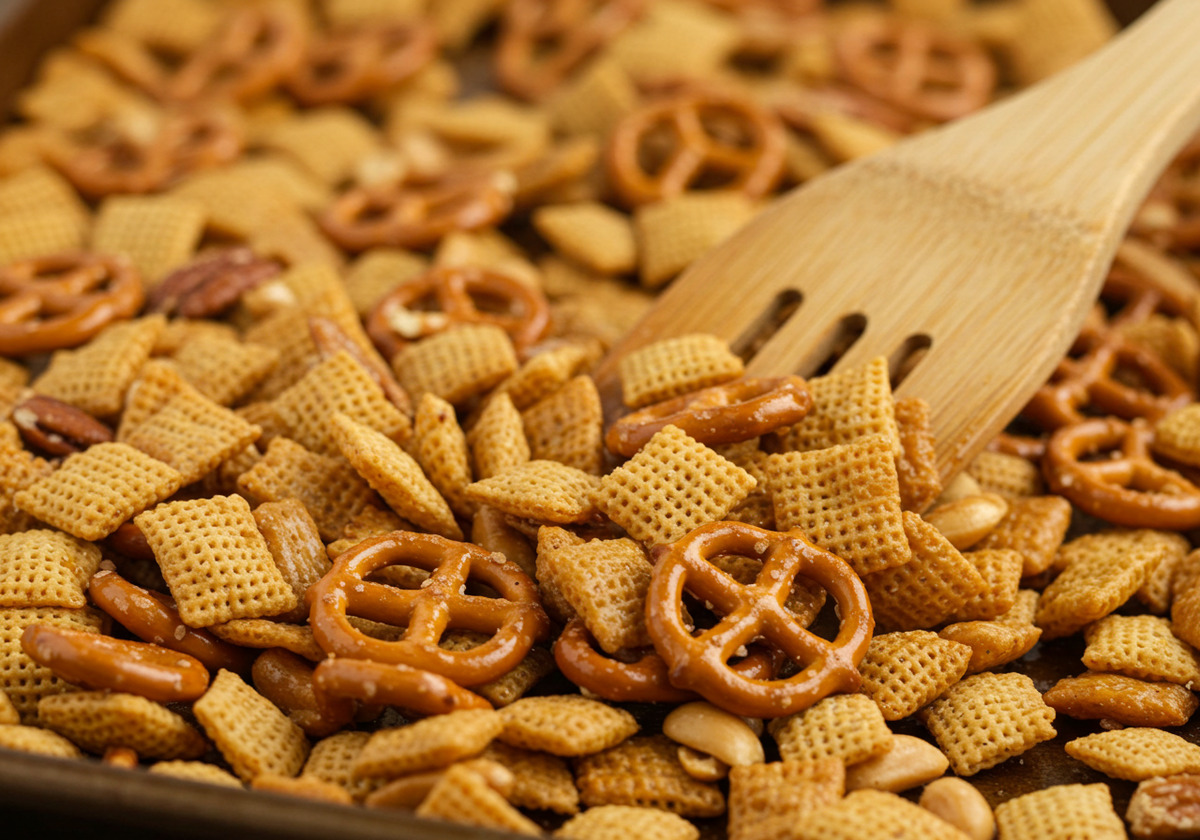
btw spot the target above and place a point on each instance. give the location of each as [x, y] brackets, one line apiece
[727, 413]
[692, 140]
[444, 297]
[63, 300]
[514, 620]
[349, 65]
[337, 680]
[699, 659]
[91, 660]
[1104, 467]
[541, 42]
[286, 679]
[915, 66]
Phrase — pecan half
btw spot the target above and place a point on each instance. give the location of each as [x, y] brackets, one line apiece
[57, 428]
[211, 284]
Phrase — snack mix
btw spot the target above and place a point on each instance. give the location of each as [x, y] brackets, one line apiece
[306, 485]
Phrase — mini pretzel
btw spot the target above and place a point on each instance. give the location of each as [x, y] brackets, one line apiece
[349, 65]
[55, 427]
[915, 66]
[698, 659]
[93, 661]
[1105, 468]
[542, 42]
[286, 679]
[697, 138]
[410, 216]
[726, 413]
[390, 684]
[443, 297]
[48, 303]
[514, 620]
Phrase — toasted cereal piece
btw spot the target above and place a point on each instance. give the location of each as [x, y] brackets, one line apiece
[215, 561]
[614, 822]
[545, 491]
[222, 369]
[1185, 599]
[671, 486]
[395, 475]
[329, 487]
[1136, 753]
[874, 813]
[592, 234]
[429, 743]
[1034, 526]
[440, 447]
[672, 367]
[846, 726]
[594, 100]
[550, 540]
[456, 364]
[847, 405]
[568, 426]
[195, 771]
[98, 720]
[988, 718]
[766, 799]
[463, 796]
[541, 781]
[1141, 646]
[13, 379]
[41, 188]
[1164, 808]
[304, 787]
[904, 671]
[376, 272]
[497, 440]
[543, 374]
[338, 385]
[183, 332]
[645, 771]
[758, 507]
[295, 545]
[294, 239]
[1155, 593]
[992, 643]
[39, 232]
[287, 332]
[1054, 34]
[326, 142]
[674, 40]
[19, 469]
[1001, 572]
[1101, 572]
[407, 792]
[252, 734]
[241, 199]
[158, 233]
[1125, 700]
[263, 634]
[916, 466]
[845, 499]
[1177, 435]
[332, 760]
[157, 383]
[511, 685]
[95, 377]
[8, 712]
[370, 522]
[44, 568]
[565, 725]
[927, 589]
[33, 739]
[178, 26]
[24, 681]
[1006, 475]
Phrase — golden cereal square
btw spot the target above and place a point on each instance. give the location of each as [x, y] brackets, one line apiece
[1156, 591]
[8, 712]
[463, 796]
[40, 188]
[904, 671]
[1125, 700]
[376, 272]
[1185, 599]
[1141, 646]
[644, 771]
[285, 331]
[511, 685]
[568, 426]
[295, 545]
[33, 739]
[545, 491]
[849, 727]
[594, 101]
[440, 447]
[670, 487]
[1006, 475]
[427, 744]
[497, 440]
[988, 718]
[610, 822]
[224, 370]
[845, 499]
[332, 760]
[1000, 569]
[178, 26]
[262, 633]
[564, 725]
[874, 813]
[43, 568]
[19, 468]
[1034, 526]
[916, 466]
[327, 142]
[24, 681]
[847, 405]
[674, 231]
[157, 382]
[98, 489]
[592, 234]
[456, 364]
[1136, 753]
[39, 232]
[543, 374]
[1061, 812]
[672, 367]
[762, 795]
[98, 720]
[158, 233]
[215, 561]
[253, 735]
[195, 771]
[673, 40]
[304, 787]
[1177, 435]
[541, 782]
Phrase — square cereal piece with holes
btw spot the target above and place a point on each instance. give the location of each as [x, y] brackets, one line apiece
[497, 440]
[19, 469]
[215, 561]
[758, 508]
[295, 545]
[992, 643]
[1000, 569]
[39, 232]
[541, 782]
[1006, 475]
[513, 685]
[926, 590]
[332, 760]
[904, 671]
[672, 367]
[41, 188]
[43, 568]
[675, 40]
[98, 489]
[263, 633]
[338, 384]
[1141, 646]
[845, 499]
[463, 796]
[181, 332]
[566, 725]
[370, 522]
[157, 382]
[674, 231]
[427, 744]
[1177, 435]
[608, 822]
[764, 798]
[33, 739]
[542, 375]
[916, 466]
[457, 364]
[327, 142]
[1125, 700]
[1024, 610]
[1155, 593]
[605, 583]
[252, 734]
[8, 712]
[644, 771]
[849, 727]
[1034, 526]
[24, 681]
[671, 486]
[545, 491]
[224, 370]
[377, 272]
[1136, 753]
[317, 289]
[177, 26]
[988, 718]
[594, 100]
[304, 787]
[329, 487]
[99, 720]
[847, 405]
[195, 771]
[440, 447]
[287, 332]
[1100, 573]
[592, 234]
[874, 813]
[157, 233]
[568, 426]
[96, 376]
[395, 475]
[550, 540]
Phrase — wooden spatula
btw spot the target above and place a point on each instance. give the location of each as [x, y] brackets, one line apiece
[986, 240]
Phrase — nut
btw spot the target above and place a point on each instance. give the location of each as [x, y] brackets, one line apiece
[966, 521]
[57, 428]
[716, 732]
[701, 766]
[960, 803]
[910, 762]
[208, 286]
[959, 487]
[1165, 807]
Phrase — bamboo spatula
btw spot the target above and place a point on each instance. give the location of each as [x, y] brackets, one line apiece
[985, 241]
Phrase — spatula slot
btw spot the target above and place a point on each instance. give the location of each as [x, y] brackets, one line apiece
[826, 352]
[782, 307]
[907, 356]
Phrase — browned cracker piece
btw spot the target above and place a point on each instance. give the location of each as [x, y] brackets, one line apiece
[676, 230]
[34, 233]
[33, 739]
[992, 643]
[1007, 475]
[671, 486]
[541, 782]
[332, 760]
[464, 796]
[916, 465]
[550, 540]
[758, 508]
[295, 545]
[846, 499]
[765, 799]
[850, 727]
[262, 634]
[988, 718]
[41, 188]
[215, 561]
[223, 369]
[592, 234]
[509, 686]
[440, 447]
[1125, 700]
[605, 583]
[158, 233]
[252, 734]
[874, 813]
[1141, 646]
[44, 568]
[671, 367]
[157, 382]
[613, 822]
[847, 405]
[195, 771]
[19, 469]
[285, 331]
[545, 491]
[904, 671]
[327, 142]
[1136, 753]
[304, 787]
[1034, 526]
[376, 272]
[1177, 435]
[98, 720]
[456, 364]
[568, 426]
[1001, 572]
[177, 26]
[8, 712]
[543, 374]
[497, 440]
[566, 725]
[24, 681]
[430, 743]
[594, 100]
[1185, 599]
[645, 771]
[1156, 591]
